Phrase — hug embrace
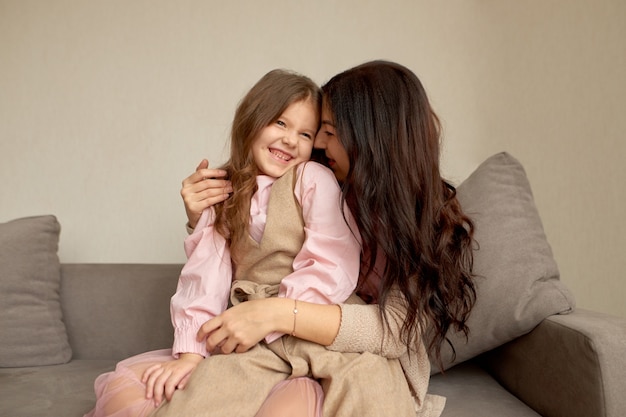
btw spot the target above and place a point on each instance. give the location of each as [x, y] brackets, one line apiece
[307, 293]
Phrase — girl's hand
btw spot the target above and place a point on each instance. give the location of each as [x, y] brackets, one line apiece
[165, 378]
[203, 189]
[242, 326]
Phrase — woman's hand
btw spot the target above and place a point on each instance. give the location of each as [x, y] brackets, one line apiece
[242, 326]
[203, 189]
[165, 378]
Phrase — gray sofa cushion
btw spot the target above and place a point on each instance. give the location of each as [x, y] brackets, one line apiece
[471, 391]
[113, 311]
[517, 277]
[31, 324]
[49, 391]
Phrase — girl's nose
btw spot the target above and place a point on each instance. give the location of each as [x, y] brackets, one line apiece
[290, 138]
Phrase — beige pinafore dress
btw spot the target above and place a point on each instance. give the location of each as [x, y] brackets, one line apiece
[235, 385]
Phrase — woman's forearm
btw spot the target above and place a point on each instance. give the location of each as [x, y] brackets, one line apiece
[318, 323]
[245, 324]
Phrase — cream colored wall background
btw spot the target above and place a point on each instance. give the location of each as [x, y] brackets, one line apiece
[106, 105]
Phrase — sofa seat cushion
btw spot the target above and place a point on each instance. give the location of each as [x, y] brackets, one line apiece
[471, 392]
[56, 390]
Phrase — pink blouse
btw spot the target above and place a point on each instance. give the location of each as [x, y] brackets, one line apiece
[325, 271]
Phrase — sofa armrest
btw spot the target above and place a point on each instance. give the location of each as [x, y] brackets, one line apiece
[569, 365]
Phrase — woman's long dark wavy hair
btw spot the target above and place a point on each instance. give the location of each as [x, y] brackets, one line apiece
[403, 207]
[260, 107]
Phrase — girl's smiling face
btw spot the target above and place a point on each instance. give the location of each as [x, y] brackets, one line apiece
[287, 141]
[327, 140]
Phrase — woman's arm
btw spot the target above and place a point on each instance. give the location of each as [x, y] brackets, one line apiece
[244, 325]
[353, 327]
[349, 327]
[344, 328]
[363, 329]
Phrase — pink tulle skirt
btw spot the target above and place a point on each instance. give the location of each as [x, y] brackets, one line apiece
[122, 394]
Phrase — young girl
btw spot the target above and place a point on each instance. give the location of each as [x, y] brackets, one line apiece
[285, 234]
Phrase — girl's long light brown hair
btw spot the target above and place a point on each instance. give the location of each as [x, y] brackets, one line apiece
[403, 208]
[260, 107]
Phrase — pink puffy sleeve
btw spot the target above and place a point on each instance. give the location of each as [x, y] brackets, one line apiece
[326, 269]
[203, 286]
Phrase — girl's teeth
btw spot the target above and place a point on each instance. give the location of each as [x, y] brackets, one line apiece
[280, 155]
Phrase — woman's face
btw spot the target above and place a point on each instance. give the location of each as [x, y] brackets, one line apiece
[327, 140]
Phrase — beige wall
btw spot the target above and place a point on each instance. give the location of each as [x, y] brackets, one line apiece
[106, 105]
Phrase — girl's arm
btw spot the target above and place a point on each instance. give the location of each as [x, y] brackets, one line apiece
[326, 269]
[202, 293]
[203, 286]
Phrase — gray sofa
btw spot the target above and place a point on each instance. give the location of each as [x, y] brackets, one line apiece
[570, 365]
[530, 351]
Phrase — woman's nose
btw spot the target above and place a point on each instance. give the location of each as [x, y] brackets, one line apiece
[319, 142]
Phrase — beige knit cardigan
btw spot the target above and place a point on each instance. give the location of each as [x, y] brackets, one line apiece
[363, 330]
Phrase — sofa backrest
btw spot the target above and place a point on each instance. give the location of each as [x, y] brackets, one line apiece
[113, 311]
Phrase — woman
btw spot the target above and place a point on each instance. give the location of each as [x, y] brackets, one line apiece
[381, 137]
